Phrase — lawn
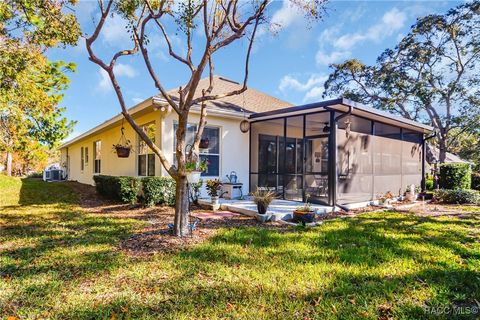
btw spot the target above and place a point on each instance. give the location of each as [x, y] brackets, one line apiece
[60, 261]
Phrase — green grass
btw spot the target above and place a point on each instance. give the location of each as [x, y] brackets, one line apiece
[59, 262]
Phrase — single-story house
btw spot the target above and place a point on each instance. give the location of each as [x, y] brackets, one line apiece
[330, 152]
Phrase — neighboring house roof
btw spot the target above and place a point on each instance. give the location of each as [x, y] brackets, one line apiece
[433, 154]
[251, 100]
[343, 104]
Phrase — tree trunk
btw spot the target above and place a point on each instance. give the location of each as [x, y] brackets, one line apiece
[9, 163]
[442, 149]
[181, 207]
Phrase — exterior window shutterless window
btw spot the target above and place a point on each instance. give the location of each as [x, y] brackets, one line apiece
[209, 147]
[146, 158]
[82, 159]
[97, 152]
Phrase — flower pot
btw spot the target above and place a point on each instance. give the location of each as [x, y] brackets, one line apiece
[215, 200]
[410, 196]
[215, 203]
[262, 217]
[193, 176]
[122, 152]
[204, 143]
[262, 209]
[302, 216]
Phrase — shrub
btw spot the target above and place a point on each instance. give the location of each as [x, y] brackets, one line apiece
[455, 176]
[158, 190]
[429, 183]
[458, 196]
[35, 175]
[124, 189]
[476, 180]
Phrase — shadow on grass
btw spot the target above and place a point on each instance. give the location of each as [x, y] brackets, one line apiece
[371, 242]
[39, 192]
[233, 274]
[47, 237]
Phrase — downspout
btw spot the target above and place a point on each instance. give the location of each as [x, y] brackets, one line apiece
[333, 172]
[424, 157]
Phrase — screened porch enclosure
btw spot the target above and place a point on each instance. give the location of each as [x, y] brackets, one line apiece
[332, 159]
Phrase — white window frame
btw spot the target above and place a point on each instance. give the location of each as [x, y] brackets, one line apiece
[149, 152]
[95, 157]
[219, 154]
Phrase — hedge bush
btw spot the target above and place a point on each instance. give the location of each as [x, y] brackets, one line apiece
[455, 176]
[476, 180]
[124, 189]
[429, 183]
[158, 190]
[458, 196]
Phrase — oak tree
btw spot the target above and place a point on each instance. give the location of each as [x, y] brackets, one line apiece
[432, 75]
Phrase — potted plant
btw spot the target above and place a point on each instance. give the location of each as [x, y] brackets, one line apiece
[305, 213]
[213, 187]
[262, 199]
[194, 170]
[123, 150]
[386, 199]
[410, 192]
[196, 191]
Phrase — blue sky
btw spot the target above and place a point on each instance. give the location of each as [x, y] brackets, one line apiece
[292, 65]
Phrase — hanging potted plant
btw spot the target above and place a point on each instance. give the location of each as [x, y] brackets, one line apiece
[123, 147]
[213, 188]
[195, 169]
[204, 143]
[122, 151]
[304, 213]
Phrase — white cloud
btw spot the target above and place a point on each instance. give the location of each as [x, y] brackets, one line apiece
[392, 21]
[291, 82]
[121, 70]
[124, 70]
[115, 34]
[312, 87]
[314, 94]
[323, 58]
[285, 16]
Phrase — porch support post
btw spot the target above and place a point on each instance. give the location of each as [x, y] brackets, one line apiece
[424, 157]
[424, 150]
[332, 160]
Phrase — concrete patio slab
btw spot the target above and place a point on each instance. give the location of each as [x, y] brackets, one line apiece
[278, 209]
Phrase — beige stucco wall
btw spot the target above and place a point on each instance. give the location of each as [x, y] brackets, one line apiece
[234, 145]
[234, 148]
[110, 163]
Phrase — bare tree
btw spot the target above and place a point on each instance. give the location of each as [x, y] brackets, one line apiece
[223, 22]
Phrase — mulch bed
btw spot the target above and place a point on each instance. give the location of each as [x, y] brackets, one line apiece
[156, 237]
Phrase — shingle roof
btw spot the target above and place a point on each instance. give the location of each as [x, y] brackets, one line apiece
[251, 100]
[433, 154]
[255, 101]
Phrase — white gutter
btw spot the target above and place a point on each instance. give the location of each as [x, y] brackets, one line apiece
[156, 103]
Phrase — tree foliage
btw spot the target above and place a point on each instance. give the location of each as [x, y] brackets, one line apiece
[432, 75]
[30, 84]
